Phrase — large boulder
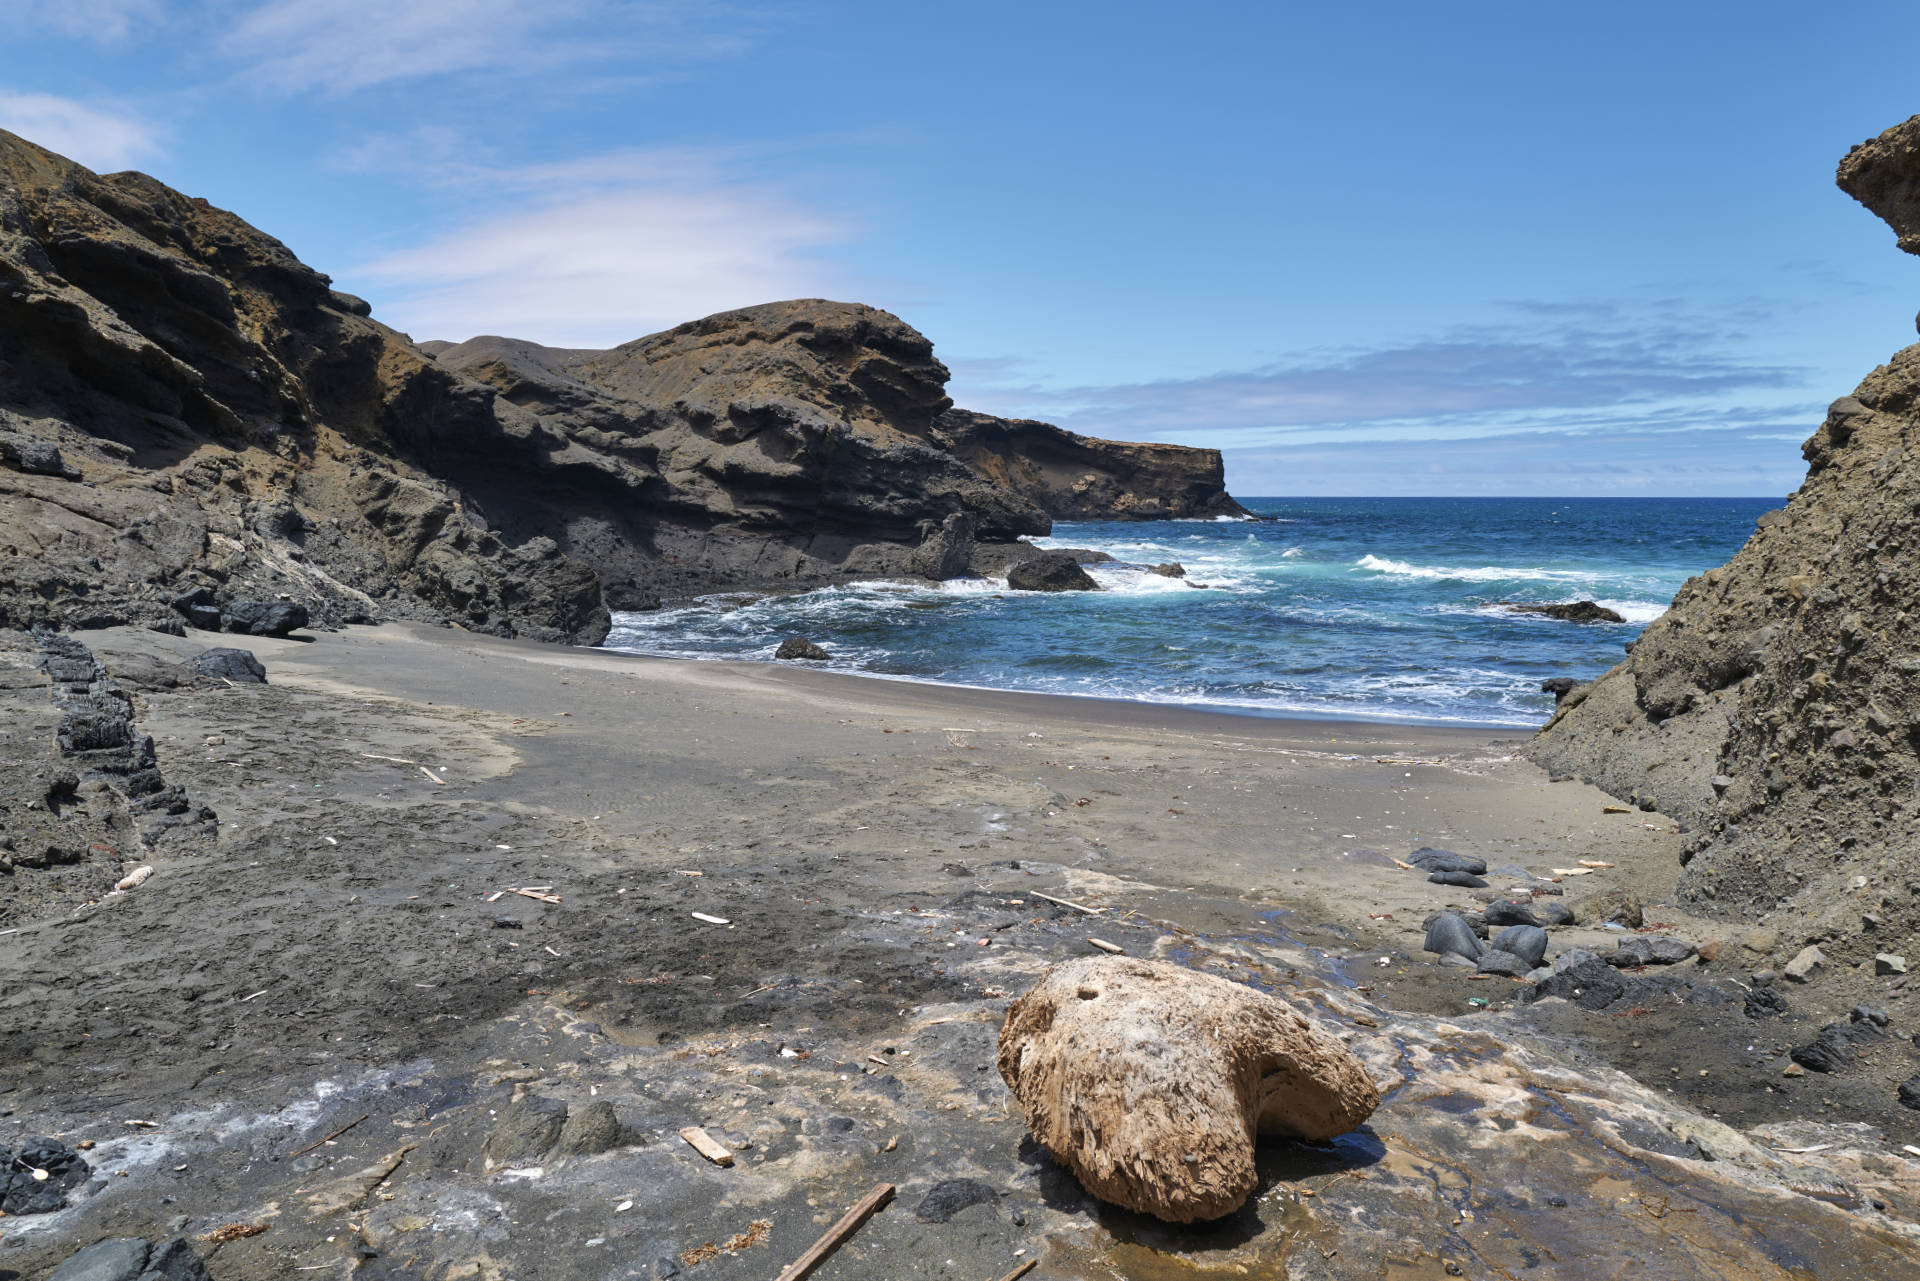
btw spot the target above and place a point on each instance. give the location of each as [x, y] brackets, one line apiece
[224, 663]
[262, 617]
[1151, 1082]
[1053, 572]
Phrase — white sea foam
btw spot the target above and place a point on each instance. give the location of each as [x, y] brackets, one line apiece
[1479, 574]
[1293, 553]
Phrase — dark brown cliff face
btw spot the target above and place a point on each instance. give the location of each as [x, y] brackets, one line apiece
[183, 404]
[1775, 709]
[1075, 477]
[782, 445]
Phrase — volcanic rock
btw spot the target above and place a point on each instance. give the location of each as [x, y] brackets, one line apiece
[1528, 942]
[799, 647]
[1831, 1051]
[1172, 569]
[1579, 611]
[262, 617]
[1505, 913]
[1151, 1082]
[1448, 934]
[1495, 961]
[237, 665]
[1434, 860]
[1651, 950]
[1073, 477]
[1054, 572]
[1779, 689]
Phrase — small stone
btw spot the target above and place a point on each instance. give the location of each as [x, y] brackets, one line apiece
[1871, 1015]
[1764, 1001]
[1910, 1093]
[1807, 966]
[1889, 963]
[1614, 906]
[1494, 961]
[1760, 941]
[1710, 950]
[950, 1196]
[1793, 1069]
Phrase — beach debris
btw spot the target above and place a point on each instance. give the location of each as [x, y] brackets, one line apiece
[1151, 1082]
[710, 919]
[134, 879]
[1021, 1271]
[438, 782]
[330, 1138]
[1807, 966]
[1449, 934]
[1573, 871]
[800, 648]
[1112, 949]
[234, 1232]
[1615, 809]
[397, 760]
[539, 893]
[1593, 862]
[1067, 902]
[706, 1145]
[350, 1190]
[836, 1236]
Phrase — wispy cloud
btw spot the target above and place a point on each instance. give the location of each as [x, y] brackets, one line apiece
[101, 21]
[100, 137]
[603, 249]
[340, 46]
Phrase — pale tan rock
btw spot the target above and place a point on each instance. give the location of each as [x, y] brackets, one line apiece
[1150, 1082]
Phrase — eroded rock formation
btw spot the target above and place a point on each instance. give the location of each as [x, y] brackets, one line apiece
[185, 406]
[1074, 477]
[1774, 709]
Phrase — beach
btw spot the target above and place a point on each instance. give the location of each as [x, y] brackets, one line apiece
[878, 867]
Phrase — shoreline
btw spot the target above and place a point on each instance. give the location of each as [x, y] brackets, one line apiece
[885, 860]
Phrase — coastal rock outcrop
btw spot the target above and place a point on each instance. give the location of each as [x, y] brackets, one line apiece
[1151, 1082]
[1774, 710]
[1074, 477]
[187, 411]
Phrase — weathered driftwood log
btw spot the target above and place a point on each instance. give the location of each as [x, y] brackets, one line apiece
[1150, 1082]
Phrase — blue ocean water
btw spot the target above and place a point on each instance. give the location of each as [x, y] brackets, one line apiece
[1355, 608]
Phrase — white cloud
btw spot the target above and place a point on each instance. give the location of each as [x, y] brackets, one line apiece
[338, 46]
[98, 137]
[102, 21]
[600, 251]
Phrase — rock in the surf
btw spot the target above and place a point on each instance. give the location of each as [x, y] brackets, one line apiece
[1054, 572]
[799, 647]
[1579, 611]
[1151, 1082]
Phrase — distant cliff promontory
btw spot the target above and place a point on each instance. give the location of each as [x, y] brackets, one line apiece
[186, 406]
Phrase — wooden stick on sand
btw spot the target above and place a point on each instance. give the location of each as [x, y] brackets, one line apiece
[1067, 902]
[836, 1236]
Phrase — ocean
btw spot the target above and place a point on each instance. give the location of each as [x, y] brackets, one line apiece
[1346, 608]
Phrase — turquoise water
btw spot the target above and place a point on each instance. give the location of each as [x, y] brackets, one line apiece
[1357, 608]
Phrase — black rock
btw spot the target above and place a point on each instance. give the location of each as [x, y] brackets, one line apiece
[506, 923]
[1172, 569]
[592, 1130]
[799, 647]
[1589, 983]
[199, 608]
[1465, 880]
[950, 1196]
[1528, 942]
[1495, 961]
[1828, 1052]
[1448, 934]
[1433, 860]
[118, 1259]
[1910, 1093]
[1765, 1001]
[21, 1193]
[526, 1130]
[236, 665]
[1658, 950]
[174, 1260]
[1506, 913]
[1579, 611]
[1869, 1017]
[1053, 572]
[262, 617]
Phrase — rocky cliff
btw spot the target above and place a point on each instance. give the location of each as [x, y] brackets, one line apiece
[1775, 709]
[186, 407]
[1073, 477]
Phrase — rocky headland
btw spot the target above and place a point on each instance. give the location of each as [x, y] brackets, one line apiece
[1773, 710]
[185, 406]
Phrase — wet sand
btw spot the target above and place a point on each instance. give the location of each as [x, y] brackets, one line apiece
[880, 852]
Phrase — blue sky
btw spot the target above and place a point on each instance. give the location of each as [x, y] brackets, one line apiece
[1387, 248]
